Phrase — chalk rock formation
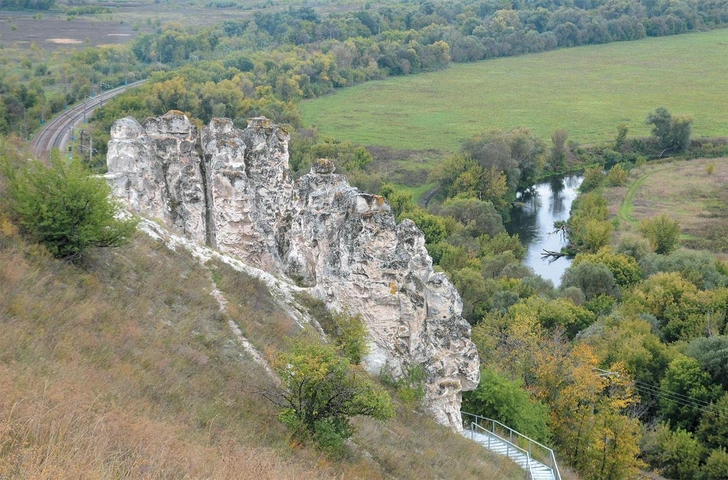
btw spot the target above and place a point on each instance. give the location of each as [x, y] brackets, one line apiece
[155, 168]
[319, 231]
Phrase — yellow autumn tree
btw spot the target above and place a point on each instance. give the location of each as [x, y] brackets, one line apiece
[590, 420]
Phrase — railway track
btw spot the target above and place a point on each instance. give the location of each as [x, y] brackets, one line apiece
[57, 132]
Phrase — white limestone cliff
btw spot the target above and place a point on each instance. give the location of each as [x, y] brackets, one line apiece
[238, 195]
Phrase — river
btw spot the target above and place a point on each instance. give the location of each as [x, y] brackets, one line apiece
[533, 220]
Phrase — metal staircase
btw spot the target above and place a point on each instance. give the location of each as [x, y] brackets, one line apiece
[536, 459]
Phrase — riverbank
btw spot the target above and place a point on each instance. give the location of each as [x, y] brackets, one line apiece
[533, 218]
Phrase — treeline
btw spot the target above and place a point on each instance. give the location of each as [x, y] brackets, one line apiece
[27, 4]
[277, 58]
[299, 53]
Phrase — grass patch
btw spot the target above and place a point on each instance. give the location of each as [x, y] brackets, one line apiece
[683, 190]
[587, 91]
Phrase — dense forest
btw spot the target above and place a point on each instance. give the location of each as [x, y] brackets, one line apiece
[623, 366]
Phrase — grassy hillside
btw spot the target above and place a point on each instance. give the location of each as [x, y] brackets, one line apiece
[587, 91]
[125, 367]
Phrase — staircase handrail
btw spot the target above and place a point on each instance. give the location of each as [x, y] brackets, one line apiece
[493, 434]
[552, 457]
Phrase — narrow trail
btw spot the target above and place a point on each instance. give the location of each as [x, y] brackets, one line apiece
[624, 214]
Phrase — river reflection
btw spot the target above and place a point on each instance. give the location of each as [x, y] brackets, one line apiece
[533, 220]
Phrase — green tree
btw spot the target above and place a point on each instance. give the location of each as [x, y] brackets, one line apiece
[557, 157]
[712, 354]
[671, 131]
[700, 268]
[676, 304]
[596, 234]
[716, 465]
[622, 130]
[474, 292]
[617, 175]
[690, 389]
[320, 392]
[62, 207]
[507, 402]
[713, 429]
[431, 225]
[629, 339]
[660, 121]
[477, 216]
[399, 201]
[625, 269]
[593, 179]
[593, 279]
[675, 454]
[663, 233]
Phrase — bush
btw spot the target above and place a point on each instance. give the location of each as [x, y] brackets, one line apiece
[625, 269]
[617, 175]
[320, 392]
[61, 207]
[633, 246]
[593, 179]
[346, 331]
[663, 233]
[410, 386]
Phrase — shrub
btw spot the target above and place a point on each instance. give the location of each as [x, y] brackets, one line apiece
[633, 246]
[593, 179]
[62, 207]
[663, 233]
[410, 386]
[346, 331]
[617, 175]
[625, 269]
[320, 392]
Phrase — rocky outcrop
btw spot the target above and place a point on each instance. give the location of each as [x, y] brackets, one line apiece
[155, 168]
[344, 245]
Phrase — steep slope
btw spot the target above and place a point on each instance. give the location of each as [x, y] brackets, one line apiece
[233, 190]
[127, 367]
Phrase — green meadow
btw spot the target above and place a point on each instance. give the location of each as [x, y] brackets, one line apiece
[587, 91]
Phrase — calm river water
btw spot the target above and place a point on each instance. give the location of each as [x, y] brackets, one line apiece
[534, 224]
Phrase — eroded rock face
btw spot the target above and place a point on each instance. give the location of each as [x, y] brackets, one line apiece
[155, 168]
[319, 231]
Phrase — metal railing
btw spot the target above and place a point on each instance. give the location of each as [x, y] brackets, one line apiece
[534, 449]
[474, 426]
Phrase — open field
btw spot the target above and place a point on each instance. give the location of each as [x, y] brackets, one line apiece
[686, 192]
[587, 91]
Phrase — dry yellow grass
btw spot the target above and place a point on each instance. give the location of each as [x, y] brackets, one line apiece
[687, 191]
[125, 367]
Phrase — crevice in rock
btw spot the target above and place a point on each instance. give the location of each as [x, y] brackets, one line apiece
[205, 162]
